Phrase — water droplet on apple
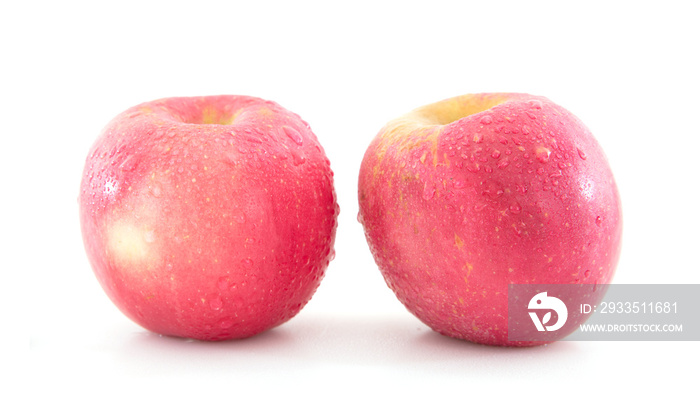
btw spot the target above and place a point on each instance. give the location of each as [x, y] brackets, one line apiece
[599, 221]
[525, 129]
[239, 217]
[293, 134]
[224, 283]
[587, 273]
[495, 154]
[515, 208]
[298, 158]
[536, 104]
[542, 154]
[129, 163]
[486, 120]
[478, 138]
[474, 168]
[581, 154]
[479, 207]
[531, 115]
[215, 302]
[428, 191]
[156, 190]
[226, 323]
[332, 256]
[517, 231]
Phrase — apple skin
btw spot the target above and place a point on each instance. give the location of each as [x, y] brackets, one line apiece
[463, 197]
[209, 218]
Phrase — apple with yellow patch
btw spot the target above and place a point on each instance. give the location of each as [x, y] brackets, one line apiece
[465, 196]
[208, 217]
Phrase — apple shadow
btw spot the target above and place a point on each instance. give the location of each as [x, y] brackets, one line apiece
[146, 353]
[403, 339]
[450, 354]
[315, 341]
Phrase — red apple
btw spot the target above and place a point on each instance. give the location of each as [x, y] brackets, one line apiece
[208, 217]
[463, 197]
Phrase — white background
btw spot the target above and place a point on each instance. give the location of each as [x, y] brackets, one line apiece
[629, 70]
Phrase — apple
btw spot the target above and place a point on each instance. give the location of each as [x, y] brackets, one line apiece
[460, 198]
[209, 218]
